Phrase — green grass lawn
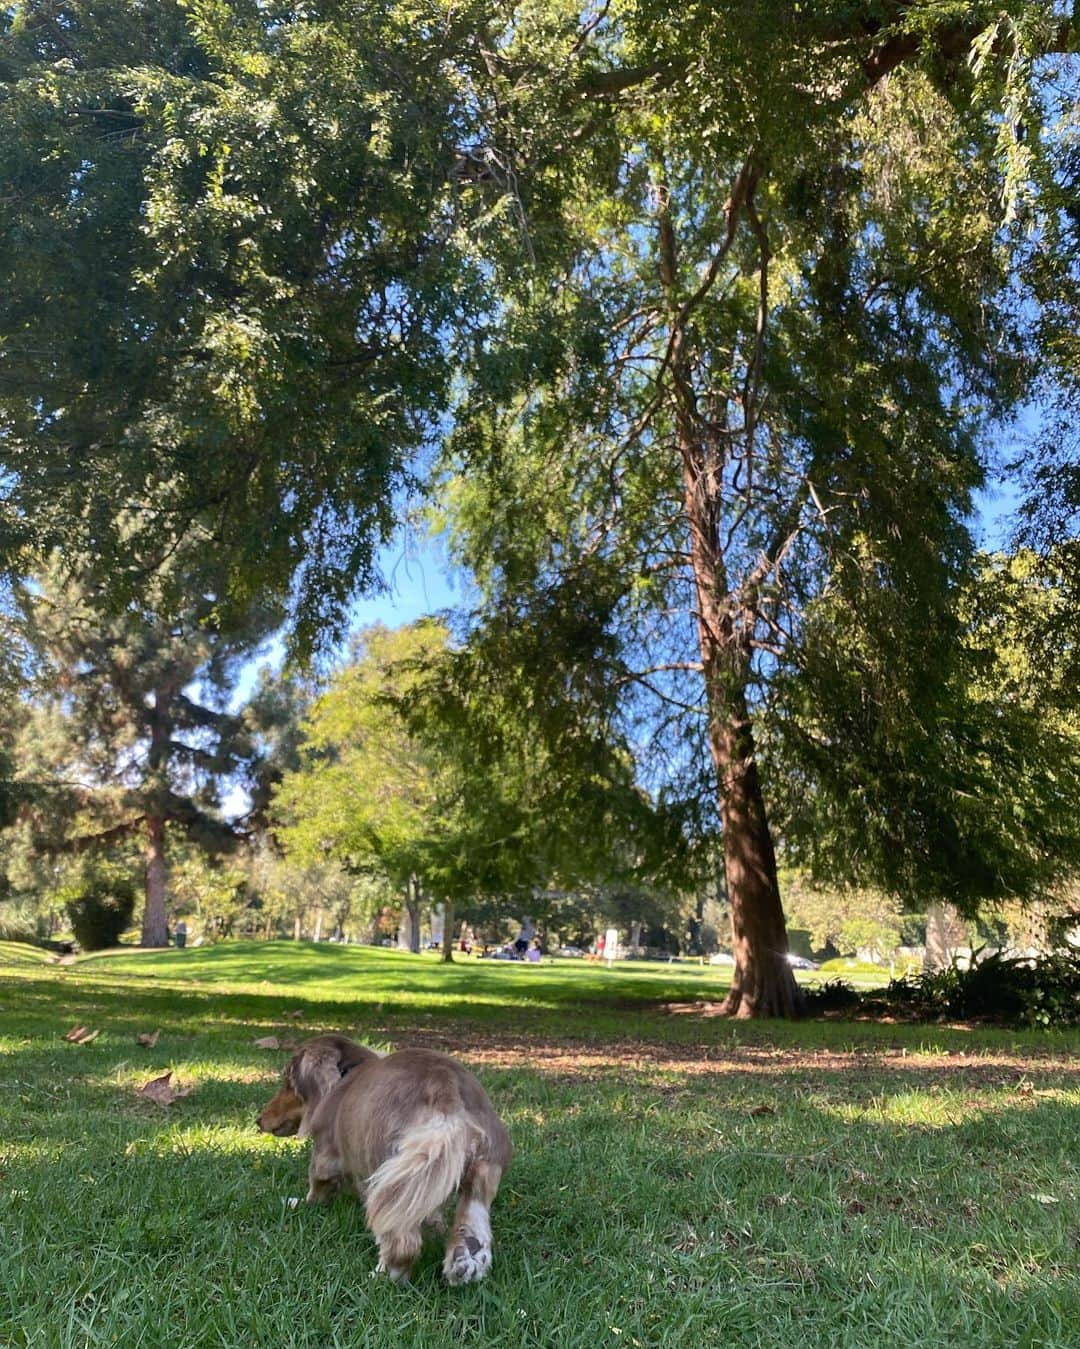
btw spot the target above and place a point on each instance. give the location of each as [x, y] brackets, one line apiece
[678, 1180]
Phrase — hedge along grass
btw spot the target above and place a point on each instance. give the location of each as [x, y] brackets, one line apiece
[678, 1181]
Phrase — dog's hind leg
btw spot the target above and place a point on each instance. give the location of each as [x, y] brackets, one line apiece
[398, 1252]
[324, 1174]
[468, 1250]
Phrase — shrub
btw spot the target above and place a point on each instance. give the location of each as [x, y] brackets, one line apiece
[1042, 992]
[17, 924]
[100, 912]
[833, 995]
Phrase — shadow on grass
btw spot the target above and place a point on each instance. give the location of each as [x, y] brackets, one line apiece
[663, 1212]
[695, 1184]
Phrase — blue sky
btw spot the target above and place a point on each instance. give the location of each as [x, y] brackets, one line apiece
[417, 583]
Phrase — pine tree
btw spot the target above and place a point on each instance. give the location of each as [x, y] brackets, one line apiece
[130, 733]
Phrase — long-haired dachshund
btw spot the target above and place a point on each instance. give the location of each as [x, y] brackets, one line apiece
[405, 1131]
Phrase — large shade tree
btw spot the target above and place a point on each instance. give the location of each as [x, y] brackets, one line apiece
[455, 792]
[785, 313]
[751, 298]
[227, 259]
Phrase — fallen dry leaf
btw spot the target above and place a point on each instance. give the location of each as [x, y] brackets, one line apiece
[159, 1090]
[267, 1042]
[81, 1035]
[147, 1038]
[762, 1110]
[298, 1015]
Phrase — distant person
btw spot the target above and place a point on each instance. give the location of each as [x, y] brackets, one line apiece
[524, 937]
[533, 954]
[181, 935]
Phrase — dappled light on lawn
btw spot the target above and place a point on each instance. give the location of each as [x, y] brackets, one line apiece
[678, 1178]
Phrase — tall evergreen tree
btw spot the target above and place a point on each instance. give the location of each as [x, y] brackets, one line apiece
[228, 258]
[130, 731]
[782, 320]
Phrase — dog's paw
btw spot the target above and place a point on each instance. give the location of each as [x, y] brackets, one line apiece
[467, 1259]
[395, 1273]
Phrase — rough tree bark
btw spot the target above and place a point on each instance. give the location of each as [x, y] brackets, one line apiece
[763, 984]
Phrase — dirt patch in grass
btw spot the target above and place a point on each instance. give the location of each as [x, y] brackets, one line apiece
[634, 1060]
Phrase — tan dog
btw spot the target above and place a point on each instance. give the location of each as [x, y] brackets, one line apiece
[405, 1131]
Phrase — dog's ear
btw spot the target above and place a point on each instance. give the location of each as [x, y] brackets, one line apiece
[315, 1069]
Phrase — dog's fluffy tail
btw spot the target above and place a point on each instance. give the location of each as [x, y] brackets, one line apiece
[417, 1180]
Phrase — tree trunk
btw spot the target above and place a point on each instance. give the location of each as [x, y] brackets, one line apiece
[448, 933]
[409, 936]
[155, 927]
[763, 984]
[318, 926]
[945, 933]
[635, 938]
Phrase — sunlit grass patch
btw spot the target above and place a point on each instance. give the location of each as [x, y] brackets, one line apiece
[680, 1182]
[22, 953]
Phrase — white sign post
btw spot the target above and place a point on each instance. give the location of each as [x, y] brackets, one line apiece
[611, 944]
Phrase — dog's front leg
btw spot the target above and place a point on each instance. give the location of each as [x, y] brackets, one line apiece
[468, 1251]
[324, 1174]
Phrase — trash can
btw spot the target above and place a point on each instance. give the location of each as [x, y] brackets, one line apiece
[181, 936]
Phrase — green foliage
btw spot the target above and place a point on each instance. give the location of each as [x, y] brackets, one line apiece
[19, 922]
[128, 718]
[820, 368]
[366, 791]
[945, 768]
[289, 897]
[834, 995]
[421, 761]
[100, 910]
[241, 218]
[1041, 992]
[214, 891]
[847, 918]
[768, 279]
